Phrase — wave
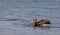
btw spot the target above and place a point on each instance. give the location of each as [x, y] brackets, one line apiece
[12, 20]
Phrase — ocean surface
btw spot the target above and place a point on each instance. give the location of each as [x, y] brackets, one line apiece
[16, 17]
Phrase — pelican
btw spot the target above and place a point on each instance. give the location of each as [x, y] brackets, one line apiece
[41, 23]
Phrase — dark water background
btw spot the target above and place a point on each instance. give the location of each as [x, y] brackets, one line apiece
[16, 16]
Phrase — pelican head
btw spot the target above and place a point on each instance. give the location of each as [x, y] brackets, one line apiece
[34, 21]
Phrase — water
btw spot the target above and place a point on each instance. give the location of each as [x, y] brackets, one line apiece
[16, 16]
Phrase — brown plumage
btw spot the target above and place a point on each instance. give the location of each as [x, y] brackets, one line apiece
[42, 22]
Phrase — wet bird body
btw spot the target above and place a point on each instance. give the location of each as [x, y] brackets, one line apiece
[42, 22]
